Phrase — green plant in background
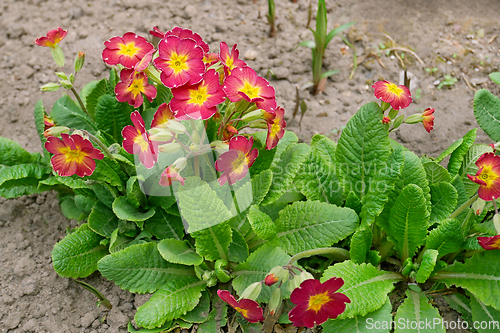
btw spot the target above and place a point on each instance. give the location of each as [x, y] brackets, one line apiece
[447, 81]
[271, 18]
[321, 40]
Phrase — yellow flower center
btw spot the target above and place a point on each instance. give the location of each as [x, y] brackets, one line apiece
[229, 62]
[395, 89]
[488, 176]
[139, 140]
[276, 127]
[250, 91]
[240, 163]
[198, 96]
[496, 244]
[317, 301]
[128, 49]
[73, 155]
[178, 63]
[242, 311]
[136, 87]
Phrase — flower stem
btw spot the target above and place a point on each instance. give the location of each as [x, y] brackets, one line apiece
[79, 101]
[99, 143]
[341, 254]
[463, 207]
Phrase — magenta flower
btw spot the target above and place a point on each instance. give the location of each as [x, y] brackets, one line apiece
[248, 308]
[133, 86]
[127, 50]
[234, 164]
[136, 141]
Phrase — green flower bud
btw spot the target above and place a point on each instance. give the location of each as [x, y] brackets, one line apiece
[276, 274]
[66, 84]
[414, 119]
[393, 113]
[162, 134]
[496, 223]
[180, 164]
[259, 124]
[478, 206]
[58, 55]
[62, 75]
[252, 291]
[398, 121]
[254, 115]
[72, 78]
[79, 61]
[50, 87]
[275, 301]
[176, 127]
[55, 131]
[385, 105]
[169, 148]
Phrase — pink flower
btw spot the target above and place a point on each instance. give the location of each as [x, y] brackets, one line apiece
[157, 33]
[230, 59]
[234, 164]
[275, 127]
[52, 39]
[243, 83]
[248, 308]
[398, 96]
[188, 34]
[488, 176]
[162, 116]
[133, 85]
[127, 50]
[136, 141]
[169, 175]
[490, 243]
[428, 120]
[180, 62]
[198, 101]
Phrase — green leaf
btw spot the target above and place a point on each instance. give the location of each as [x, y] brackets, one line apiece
[69, 209]
[118, 241]
[469, 166]
[255, 269]
[436, 173]
[213, 242]
[336, 31]
[167, 327]
[163, 95]
[362, 149]
[93, 96]
[22, 179]
[112, 81]
[84, 203]
[102, 220]
[112, 116]
[200, 313]
[174, 299]
[461, 304]
[238, 249]
[487, 112]
[163, 225]
[11, 154]
[105, 193]
[77, 254]
[108, 171]
[361, 243]
[486, 317]
[126, 211]
[417, 309]
[479, 274]
[261, 223]
[200, 206]
[308, 43]
[368, 323]
[134, 193]
[449, 150]
[328, 73]
[426, 265]
[284, 173]
[366, 286]
[382, 185]
[444, 198]
[307, 225]
[141, 269]
[408, 221]
[458, 154]
[216, 319]
[179, 252]
[39, 112]
[445, 237]
[67, 113]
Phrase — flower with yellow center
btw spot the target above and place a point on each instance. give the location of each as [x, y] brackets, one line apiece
[398, 96]
[234, 164]
[248, 308]
[136, 141]
[127, 50]
[133, 86]
[488, 176]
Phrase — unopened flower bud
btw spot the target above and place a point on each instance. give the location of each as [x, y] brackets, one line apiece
[161, 135]
[52, 86]
[195, 137]
[275, 301]
[58, 55]
[386, 120]
[478, 206]
[254, 115]
[62, 75]
[414, 119]
[252, 291]
[398, 121]
[496, 223]
[169, 148]
[180, 164]
[298, 279]
[393, 113]
[270, 279]
[66, 84]
[72, 78]
[55, 131]
[79, 61]
[276, 274]
[176, 127]
[259, 124]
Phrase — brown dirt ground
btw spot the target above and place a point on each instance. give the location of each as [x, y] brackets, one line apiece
[456, 36]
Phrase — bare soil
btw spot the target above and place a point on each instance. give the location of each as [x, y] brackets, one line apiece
[458, 37]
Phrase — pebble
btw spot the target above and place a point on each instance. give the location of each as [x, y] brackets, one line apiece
[89, 319]
[251, 54]
[281, 72]
[190, 11]
[116, 318]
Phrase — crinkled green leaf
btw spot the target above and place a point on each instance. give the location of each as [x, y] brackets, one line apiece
[426, 265]
[109, 171]
[105, 193]
[21, 179]
[141, 269]
[163, 225]
[124, 210]
[361, 243]
[84, 203]
[363, 324]
[461, 304]
[487, 112]
[408, 221]
[174, 299]
[449, 150]
[39, 112]
[179, 252]
[436, 173]
[306, 225]
[112, 116]
[118, 241]
[11, 153]
[366, 286]
[69, 209]
[66, 112]
[416, 309]
[77, 254]
[261, 223]
[479, 274]
[200, 313]
[486, 317]
[134, 193]
[362, 149]
[102, 220]
[443, 199]
[213, 242]
[91, 99]
[458, 154]
[238, 248]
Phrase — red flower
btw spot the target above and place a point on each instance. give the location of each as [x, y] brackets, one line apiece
[47, 122]
[275, 127]
[127, 50]
[398, 96]
[210, 58]
[490, 243]
[386, 120]
[428, 119]
[169, 175]
[198, 101]
[73, 154]
[52, 39]
[316, 302]
[234, 163]
[162, 116]
[243, 83]
[271, 279]
[157, 33]
[248, 308]
[136, 141]
[180, 61]
[488, 176]
[133, 85]
[230, 59]
[188, 34]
